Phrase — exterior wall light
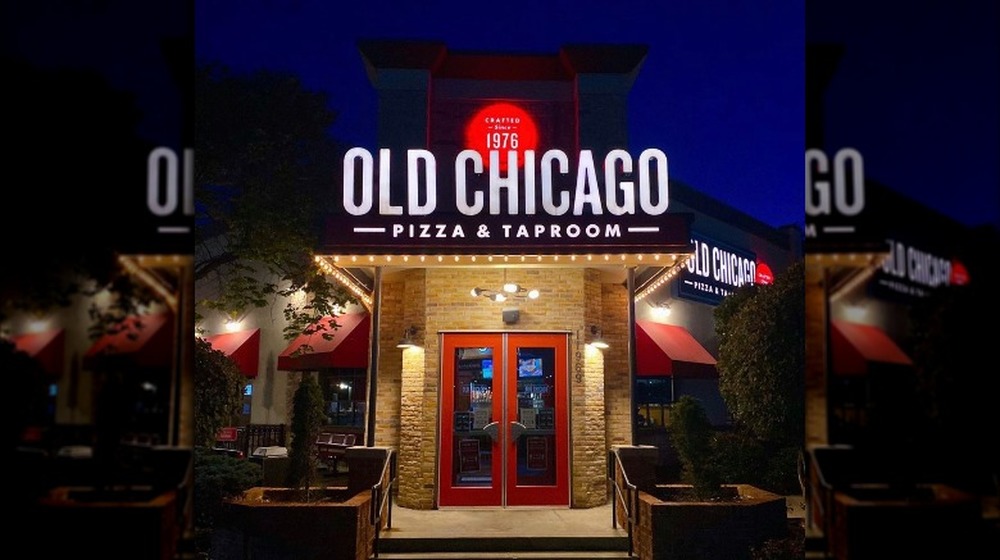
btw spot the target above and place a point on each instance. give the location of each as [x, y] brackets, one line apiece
[661, 310]
[408, 338]
[597, 338]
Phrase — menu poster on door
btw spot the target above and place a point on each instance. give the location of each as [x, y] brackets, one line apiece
[463, 421]
[545, 419]
[468, 452]
[537, 451]
[528, 418]
[480, 418]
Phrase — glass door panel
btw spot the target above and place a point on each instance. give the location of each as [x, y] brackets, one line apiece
[504, 420]
[537, 413]
[471, 462]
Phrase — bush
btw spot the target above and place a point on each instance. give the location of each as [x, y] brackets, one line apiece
[692, 435]
[742, 458]
[216, 479]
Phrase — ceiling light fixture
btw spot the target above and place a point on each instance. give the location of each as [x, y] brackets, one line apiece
[509, 290]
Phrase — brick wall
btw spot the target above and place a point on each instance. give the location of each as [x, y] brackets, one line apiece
[617, 384]
[815, 359]
[438, 299]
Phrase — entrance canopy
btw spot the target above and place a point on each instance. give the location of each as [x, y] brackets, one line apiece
[47, 348]
[342, 342]
[242, 347]
[670, 350]
[857, 346]
[139, 340]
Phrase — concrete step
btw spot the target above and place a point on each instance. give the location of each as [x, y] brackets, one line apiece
[506, 545]
[509, 555]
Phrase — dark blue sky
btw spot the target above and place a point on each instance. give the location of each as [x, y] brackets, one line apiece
[721, 90]
[916, 92]
[118, 39]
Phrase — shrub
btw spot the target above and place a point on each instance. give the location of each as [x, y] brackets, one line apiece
[216, 479]
[307, 420]
[692, 435]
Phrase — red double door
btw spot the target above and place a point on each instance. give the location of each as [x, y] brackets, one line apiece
[504, 420]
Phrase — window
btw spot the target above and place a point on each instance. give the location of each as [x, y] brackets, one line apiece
[344, 391]
[652, 397]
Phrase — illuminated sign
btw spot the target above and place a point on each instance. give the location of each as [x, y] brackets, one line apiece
[910, 271]
[764, 275]
[548, 204]
[501, 128]
[835, 193]
[715, 271]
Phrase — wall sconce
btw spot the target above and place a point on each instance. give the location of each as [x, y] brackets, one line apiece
[507, 291]
[597, 337]
[408, 338]
[661, 310]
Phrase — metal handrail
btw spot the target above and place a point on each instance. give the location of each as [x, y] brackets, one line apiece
[627, 498]
[381, 502]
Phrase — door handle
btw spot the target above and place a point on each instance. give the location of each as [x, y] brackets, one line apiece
[517, 430]
[493, 430]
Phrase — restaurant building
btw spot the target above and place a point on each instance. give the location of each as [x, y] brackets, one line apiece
[899, 416]
[530, 293]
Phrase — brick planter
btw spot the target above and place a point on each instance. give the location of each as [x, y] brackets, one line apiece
[681, 530]
[873, 521]
[271, 524]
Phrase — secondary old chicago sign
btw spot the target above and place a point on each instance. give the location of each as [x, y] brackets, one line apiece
[542, 202]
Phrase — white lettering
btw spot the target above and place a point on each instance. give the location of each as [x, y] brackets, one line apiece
[849, 199]
[385, 207]
[662, 182]
[548, 204]
[461, 198]
[504, 189]
[167, 157]
[509, 183]
[413, 159]
[587, 190]
[351, 204]
[612, 186]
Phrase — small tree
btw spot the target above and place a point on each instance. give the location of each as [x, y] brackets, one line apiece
[761, 357]
[307, 419]
[692, 436]
[761, 360]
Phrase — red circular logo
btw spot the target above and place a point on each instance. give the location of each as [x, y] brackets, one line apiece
[959, 274]
[764, 275]
[504, 128]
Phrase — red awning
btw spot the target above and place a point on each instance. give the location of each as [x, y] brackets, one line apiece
[242, 347]
[47, 348]
[348, 347]
[670, 350]
[140, 340]
[855, 346]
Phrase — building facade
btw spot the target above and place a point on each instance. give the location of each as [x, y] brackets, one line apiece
[514, 265]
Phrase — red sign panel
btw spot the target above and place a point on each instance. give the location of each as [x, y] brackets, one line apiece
[504, 128]
[226, 434]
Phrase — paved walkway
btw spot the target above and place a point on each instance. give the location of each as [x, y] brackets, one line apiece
[521, 522]
[487, 523]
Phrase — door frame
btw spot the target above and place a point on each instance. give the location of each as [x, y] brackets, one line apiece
[504, 460]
